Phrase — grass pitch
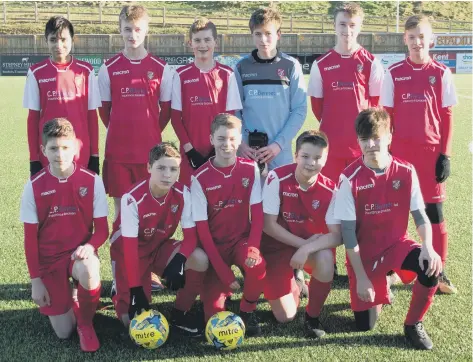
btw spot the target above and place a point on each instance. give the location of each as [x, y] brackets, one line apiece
[26, 335]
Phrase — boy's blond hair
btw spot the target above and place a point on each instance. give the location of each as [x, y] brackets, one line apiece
[352, 9]
[133, 13]
[202, 23]
[265, 16]
[226, 120]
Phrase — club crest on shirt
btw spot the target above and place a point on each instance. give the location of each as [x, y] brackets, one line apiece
[150, 75]
[396, 184]
[281, 72]
[432, 79]
[359, 68]
[83, 191]
[78, 80]
[315, 204]
[218, 84]
[174, 208]
[245, 181]
[129, 201]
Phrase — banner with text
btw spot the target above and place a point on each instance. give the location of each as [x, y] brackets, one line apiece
[389, 59]
[447, 58]
[452, 42]
[464, 62]
[19, 64]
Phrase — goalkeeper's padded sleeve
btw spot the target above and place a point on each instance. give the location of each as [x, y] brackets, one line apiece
[317, 107]
[373, 101]
[176, 120]
[93, 122]
[132, 267]
[164, 114]
[223, 271]
[104, 112]
[32, 249]
[189, 242]
[257, 223]
[100, 232]
[446, 131]
[33, 134]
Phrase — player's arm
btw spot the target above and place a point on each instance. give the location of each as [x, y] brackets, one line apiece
[257, 220]
[176, 113]
[271, 209]
[105, 95]
[375, 82]
[345, 212]
[386, 98]
[239, 84]
[200, 217]
[31, 101]
[315, 91]
[165, 95]
[234, 104]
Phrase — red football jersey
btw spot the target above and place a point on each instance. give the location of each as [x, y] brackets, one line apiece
[200, 96]
[301, 212]
[152, 220]
[418, 93]
[345, 83]
[134, 87]
[223, 196]
[64, 210]
[379, 202]
[68, 91]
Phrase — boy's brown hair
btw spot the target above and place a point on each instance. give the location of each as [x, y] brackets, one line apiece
[352, 9]
[163, 149]
[132, 13]
[413, 21]
[265, 16]
[226, 120]
[316, 138]
[371, 122]
[57, 128]
[202, 23]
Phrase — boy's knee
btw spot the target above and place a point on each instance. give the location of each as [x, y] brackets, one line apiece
[198, 260]
[324, 268]
[89, 272]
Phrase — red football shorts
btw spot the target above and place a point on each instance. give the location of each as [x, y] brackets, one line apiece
[56, 281]
[376, 270]
[335, 165]
[154, 262]
[424, 159]
[119, 177]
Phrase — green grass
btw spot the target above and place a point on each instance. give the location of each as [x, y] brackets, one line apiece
[26, 335]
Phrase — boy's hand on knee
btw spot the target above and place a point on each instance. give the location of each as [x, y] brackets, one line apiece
[365, 290]
[235, 285]
[83, 252]
[138, 301]
[39, 293]
[299, 259]
[430, 262]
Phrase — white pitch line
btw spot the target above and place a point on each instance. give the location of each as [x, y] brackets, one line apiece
[465, 96]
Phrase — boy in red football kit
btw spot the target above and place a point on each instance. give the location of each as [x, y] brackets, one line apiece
[142, 242]
[300, 229]
[419, 95]
[375, 195]
[224, 190]
[62, 86]
[200, 91]
[60, 207]
[135, 88]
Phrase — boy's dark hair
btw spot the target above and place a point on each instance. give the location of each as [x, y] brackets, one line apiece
[316, 138]
[56, 128]
[163, 149]
[226, 120]
[413, 21]
[202, 23]
[352, 9]
[132, 13]
[57, 24]
[265, 16]
[370, 122]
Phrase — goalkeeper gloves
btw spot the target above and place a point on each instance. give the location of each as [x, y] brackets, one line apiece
[138, 302]
[94, 164]
[174, 274]
[442, 168]
[195, 158]
[35, 167]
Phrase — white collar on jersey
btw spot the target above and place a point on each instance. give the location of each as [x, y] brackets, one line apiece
[134, 61]
[155, 199]
[216, 169]
[62, 70]
[63, 179]
[416, 66]
[300, 187]
[381, 172]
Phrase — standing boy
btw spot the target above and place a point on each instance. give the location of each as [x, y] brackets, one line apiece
[200, 91]
[224, 191]
[273, 93]
[60, 207]
[419, 95]
[376, 194]
[300, 229]
[62, 86]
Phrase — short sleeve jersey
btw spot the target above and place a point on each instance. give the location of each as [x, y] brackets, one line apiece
[379, 202]
[301, 212]
[223, 196]
[418, 93]
[63, 91]
[152, 220]
[64, 210]
[200, 96]
[134, 87]
[345, 83]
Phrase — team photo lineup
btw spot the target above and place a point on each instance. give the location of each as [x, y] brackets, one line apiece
[234, 188]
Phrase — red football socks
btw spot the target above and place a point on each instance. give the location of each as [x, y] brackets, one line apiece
[187, 295]
[440, 240]
[318, 293]
[422, 298]
[88, 301]
[254, 282]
